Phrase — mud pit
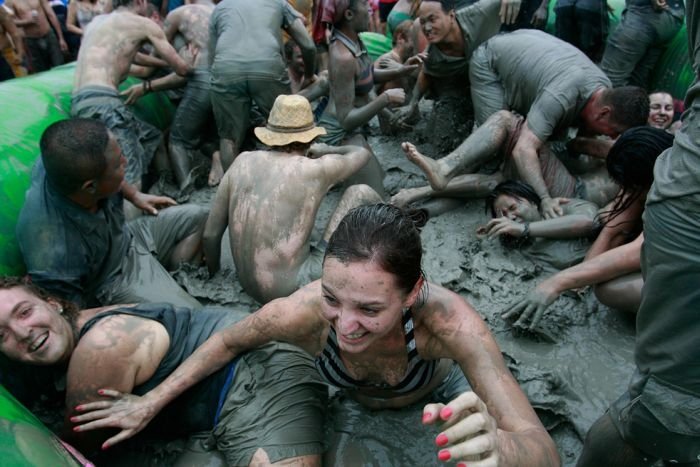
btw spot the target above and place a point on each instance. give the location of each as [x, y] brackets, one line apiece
[571, 376]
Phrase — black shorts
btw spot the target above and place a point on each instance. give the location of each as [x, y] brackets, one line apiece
[384, 10]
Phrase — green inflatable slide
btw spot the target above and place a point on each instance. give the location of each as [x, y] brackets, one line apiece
[29, 105]
[25, 441]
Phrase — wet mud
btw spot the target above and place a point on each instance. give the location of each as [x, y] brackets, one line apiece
[571, 369]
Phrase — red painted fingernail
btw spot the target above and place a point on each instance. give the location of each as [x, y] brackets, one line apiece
[78, 407]
[426, 416]
[446, 413]
[77, 428]
[444, 455]
[105, 447]
[441, 439]
[461, 464]
[100, 391]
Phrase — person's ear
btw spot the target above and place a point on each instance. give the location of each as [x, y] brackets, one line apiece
[415, 292]
[89, 186]
[349, 14]
[604, 113]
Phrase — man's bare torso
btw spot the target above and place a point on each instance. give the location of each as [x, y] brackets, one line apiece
[28, 9]
[108, 48]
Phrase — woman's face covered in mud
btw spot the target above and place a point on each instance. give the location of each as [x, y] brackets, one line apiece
[362, 302]
[516, 209]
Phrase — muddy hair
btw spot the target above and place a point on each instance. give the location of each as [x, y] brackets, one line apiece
[385, 234]
[403, 29]
[446, 5]
[629, 104]
[630, 164]
[70, 309]
[73, 152]
[514, 188]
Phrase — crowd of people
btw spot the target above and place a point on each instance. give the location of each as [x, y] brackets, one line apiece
[581, 164]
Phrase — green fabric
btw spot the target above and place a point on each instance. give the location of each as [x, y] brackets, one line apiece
[29, 105]
[376, 44]
[24, 440]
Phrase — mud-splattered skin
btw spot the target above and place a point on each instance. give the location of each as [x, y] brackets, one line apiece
[111, 43]
[192, 22]
[269, 201]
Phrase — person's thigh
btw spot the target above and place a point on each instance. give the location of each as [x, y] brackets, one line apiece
[627, 45]
[231, 107]
[163, 232]
[665, 27]
[488, 95]
[565, 23]
[604, 447]
[276, 403]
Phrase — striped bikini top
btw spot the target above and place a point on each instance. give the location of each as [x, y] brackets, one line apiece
[419, 372]
[364, 80]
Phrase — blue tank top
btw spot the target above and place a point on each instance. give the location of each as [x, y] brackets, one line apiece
[197, 408]
[419, 372]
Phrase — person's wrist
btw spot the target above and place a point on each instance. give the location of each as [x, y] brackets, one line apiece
[526, 230]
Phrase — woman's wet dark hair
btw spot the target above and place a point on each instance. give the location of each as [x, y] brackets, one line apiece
[385, 234]
[512, 188]
[630, 163]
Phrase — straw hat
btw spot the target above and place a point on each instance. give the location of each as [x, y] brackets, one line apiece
[290, 121]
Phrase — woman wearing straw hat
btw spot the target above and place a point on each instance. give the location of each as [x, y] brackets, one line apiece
[269, 200]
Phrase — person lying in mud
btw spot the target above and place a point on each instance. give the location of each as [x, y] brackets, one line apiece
[134, 347]
[453, 35]
[518, 223]
[495, 140]
[379, 331]
[662, 111]
[194, 115]
[108, 49]
[269, 201]
[72, 231]
[352, 77]
[556, 87]
[612, 264]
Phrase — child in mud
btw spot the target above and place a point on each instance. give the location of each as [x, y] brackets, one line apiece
[269, 201]
[613, 262]
[387, 338]
[517, 221]
[134, 347]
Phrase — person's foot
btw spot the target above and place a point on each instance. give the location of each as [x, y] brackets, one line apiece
[430, 167]
[217, 170]
[405, 197]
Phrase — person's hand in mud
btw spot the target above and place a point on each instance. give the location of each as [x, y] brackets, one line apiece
[502, 226]
[551, 207]
[529, 311]
[127, 412]
[469, 432]
[133, 93]
[509, 11]
[401, 116]
[151, 203]
[539, 18]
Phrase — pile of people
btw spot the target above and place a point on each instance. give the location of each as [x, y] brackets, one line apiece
[563, 151]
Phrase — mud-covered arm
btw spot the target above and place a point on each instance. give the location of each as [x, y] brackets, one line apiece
[54, 22]
[339, 162]
[317, 89]
[495, 421]
[342, 93]
[614, 263]
[165, 50]
[570, 225]
[217, 223]
[527, 161]
[111, 354]
[295, 319]
[143, 59]
[301, 36]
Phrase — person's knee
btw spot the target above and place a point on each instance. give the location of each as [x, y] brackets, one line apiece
[363, 193]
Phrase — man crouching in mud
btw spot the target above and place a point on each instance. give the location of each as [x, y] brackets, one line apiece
[263, 408]
[108, 48]
[269, 200]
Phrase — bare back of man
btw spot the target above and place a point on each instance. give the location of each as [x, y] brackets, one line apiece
[192, 22]
[269, 201]
[111, 43]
